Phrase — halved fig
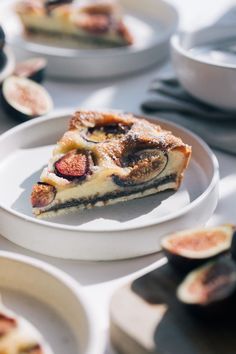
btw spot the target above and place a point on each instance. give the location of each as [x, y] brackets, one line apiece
[6, 324]
[188, 249]
[210, 288]
[24, 98]
[99, 134]
[143, 166]
[42, 195]
[33, 69]
[75, 165]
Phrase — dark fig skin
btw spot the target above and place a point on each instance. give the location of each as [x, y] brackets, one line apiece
[38, 76]
[57, 2]
[12, 112]
[223, 309]
[184, 265]
[233, 246]
[121, 182]
[2, 38]
[2, 44]
[3, 59]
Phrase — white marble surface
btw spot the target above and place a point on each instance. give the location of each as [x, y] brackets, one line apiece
[100, 280]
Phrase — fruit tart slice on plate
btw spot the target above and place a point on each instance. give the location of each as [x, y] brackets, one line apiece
[98, 22]
[105, 158]
[18, 336]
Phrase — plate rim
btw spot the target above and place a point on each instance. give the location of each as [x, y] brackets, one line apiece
[74, 53]
[96, 343]
[66, 113]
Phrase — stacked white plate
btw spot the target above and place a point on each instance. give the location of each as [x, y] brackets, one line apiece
[52, 301]
[115, 232]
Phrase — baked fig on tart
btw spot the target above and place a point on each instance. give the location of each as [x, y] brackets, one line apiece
[18, 336]
[105, 158]
[99, 22]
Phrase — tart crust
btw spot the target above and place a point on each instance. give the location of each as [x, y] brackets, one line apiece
[120, 156]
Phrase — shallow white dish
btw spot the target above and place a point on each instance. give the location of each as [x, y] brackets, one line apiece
[114, 232]
[211, 81]
[39, 292]
[152, 22]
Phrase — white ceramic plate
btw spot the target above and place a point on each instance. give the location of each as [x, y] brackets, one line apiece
[39, 292]
[152, 22]
[101, 233]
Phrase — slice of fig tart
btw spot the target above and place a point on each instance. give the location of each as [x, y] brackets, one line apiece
[18, 336]
[105, 158]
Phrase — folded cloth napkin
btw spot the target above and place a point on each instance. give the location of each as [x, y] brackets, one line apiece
[168, 98]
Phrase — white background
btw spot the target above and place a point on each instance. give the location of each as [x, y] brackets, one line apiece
[100, 280]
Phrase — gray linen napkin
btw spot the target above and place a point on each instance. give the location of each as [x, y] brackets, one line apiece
[167, 98]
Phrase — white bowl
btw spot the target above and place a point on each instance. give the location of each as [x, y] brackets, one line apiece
[123, 230]
[211, 82]
[53, 300]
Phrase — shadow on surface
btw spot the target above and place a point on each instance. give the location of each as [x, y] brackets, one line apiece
[88, 272]
[179, 331]
[120, 212]
[22, 203]
[7, 121]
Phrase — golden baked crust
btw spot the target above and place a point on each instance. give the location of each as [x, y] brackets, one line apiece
[106, 157]
[91, 20]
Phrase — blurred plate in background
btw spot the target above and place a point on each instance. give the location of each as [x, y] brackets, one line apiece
[152, 22]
